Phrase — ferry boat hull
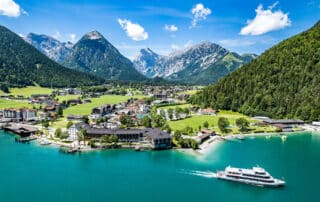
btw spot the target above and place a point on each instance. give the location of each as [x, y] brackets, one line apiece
[276, 183]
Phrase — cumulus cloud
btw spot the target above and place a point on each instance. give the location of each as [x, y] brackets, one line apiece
[133, 30]
[10, 8]
[171, 28]
[236, 42]
[266, 21]
[72, 37]
[199, 12]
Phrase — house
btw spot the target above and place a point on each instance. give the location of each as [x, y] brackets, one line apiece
[291, 122]
[101, 111]
[284, 128]
[73, 102]
[210, 112]
[71, 117]
[17, 115]
[204, 135]
[157, 138]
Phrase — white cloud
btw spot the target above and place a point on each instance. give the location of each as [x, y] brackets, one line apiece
[236, 42]
[133, 30]
[56, 35]
[72, 37]
[266, 21]
[199, 12]
[171, 28]
[10, 8]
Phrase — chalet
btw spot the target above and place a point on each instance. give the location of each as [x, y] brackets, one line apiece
[210, 112]
[73, 102]
[71, 117]
[103, 110]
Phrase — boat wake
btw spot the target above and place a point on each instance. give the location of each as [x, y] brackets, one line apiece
[206, 174]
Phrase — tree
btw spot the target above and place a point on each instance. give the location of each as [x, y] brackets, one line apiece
[223, 124]
[104, 139]
[186, 111]
[60, 112]
[58, 133]
[83, 133]
[243, 124]
[69, 124]
[206, 124]
[170, 113]
[45, 123]
[167, 128]
[177, 135]
[146, 122]
[158, 121]
[85, 119]
[92, 143]
[126, 120]
[113, 138]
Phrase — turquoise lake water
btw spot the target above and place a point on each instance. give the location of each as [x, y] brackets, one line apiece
[30, 173]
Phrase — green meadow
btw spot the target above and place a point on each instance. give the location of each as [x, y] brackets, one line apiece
[197, 120]
[85, 109]
[28, 91]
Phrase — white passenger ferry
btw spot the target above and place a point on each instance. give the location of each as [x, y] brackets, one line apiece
[255, 176]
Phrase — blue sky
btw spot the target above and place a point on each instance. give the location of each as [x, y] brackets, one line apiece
[163, 26]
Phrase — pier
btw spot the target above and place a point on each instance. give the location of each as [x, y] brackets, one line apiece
[22, 130]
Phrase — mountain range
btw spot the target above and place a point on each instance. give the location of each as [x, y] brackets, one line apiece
[203, 63]
[21, 64]
[282, 83]
[54, 49]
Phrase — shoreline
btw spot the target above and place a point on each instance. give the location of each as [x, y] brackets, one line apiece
[215, 141]
[204, 149]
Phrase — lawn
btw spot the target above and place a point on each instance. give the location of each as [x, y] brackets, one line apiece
[196, 121]
[189, 92]
[175, 106]
[85, 109]
[13, 104]
[67, 97]
[28, 91]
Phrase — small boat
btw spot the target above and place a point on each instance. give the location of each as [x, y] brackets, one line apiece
[44, 142]
[283, 138]
[256, 176]
[240, 137]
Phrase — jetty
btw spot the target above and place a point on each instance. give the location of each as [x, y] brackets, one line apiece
[23, 130]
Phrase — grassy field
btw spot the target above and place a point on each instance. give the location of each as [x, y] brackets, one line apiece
[85, 109]
[190, 92]
[13, 104]
[67, 97]
[196, 121]
[28, 91]
[175, 106]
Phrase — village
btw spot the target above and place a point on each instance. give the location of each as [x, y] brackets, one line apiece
[150, 120]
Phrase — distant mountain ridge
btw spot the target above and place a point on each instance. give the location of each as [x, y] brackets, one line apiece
[54, 49]
[95, 55]
[199, 64]
[21, 64]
